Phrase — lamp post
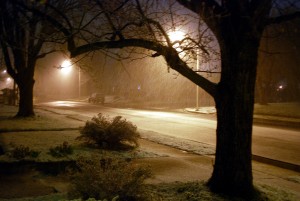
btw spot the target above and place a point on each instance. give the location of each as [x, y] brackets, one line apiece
[65, 67]
[79, 82]
[177, 36]
[10, 84]
[197, 87]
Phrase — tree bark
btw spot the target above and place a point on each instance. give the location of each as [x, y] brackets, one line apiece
[238, 26]
[26, 97]
[232, 169]
[234, 103]
[262, 93]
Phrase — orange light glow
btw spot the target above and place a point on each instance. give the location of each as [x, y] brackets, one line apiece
[66, 67]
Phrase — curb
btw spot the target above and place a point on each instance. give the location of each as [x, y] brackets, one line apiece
[201, 110]
[272, 122]
[257, 119]
[277, 163]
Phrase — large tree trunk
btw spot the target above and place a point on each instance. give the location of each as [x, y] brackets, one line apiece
[234, 102]
[26, 97]
[262, 94]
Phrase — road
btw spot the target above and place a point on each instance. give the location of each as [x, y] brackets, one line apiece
[280, 144]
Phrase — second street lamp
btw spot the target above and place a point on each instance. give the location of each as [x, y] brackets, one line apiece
[66, 68]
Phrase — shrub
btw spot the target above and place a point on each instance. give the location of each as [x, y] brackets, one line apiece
[20, 152]
[116, 133]
[61, 150]
[108, 178]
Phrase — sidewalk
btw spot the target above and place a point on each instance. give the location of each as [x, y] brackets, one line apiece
[257, 118]
[168, 164]
[288, 159]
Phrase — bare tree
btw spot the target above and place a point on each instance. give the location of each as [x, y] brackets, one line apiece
[26, 37]
[237, 26]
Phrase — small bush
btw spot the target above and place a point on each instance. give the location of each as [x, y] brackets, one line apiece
[21, 152]
[116, 133]
[108, 178]
[61, 150]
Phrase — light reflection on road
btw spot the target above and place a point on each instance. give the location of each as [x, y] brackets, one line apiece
[268, 142]
[177, 117]
[63, 104]
[157, 114]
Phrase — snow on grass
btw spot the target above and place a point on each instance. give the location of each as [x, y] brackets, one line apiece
[47, 130]
[50, 136]
[42, 121]
[179, 143]
[190, 191]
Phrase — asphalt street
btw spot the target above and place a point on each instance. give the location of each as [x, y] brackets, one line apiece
[280, 145]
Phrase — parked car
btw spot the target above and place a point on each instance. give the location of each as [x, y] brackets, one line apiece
[97, 98]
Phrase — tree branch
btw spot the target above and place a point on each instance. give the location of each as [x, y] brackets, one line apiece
[67, 33]
[117, 44]
[209, 10]
[283, 18]
[8, 63]
[169, 53]
[199, 5]
[45, 54]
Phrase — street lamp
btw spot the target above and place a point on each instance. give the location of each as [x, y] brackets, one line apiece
[8, 80]
[65, 68]
[178, 36]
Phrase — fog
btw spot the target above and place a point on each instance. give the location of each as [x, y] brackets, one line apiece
[146, 80]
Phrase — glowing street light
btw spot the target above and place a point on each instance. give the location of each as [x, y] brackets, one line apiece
[178, 36]
[175, 37]
[6, 77]
[66, 67]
